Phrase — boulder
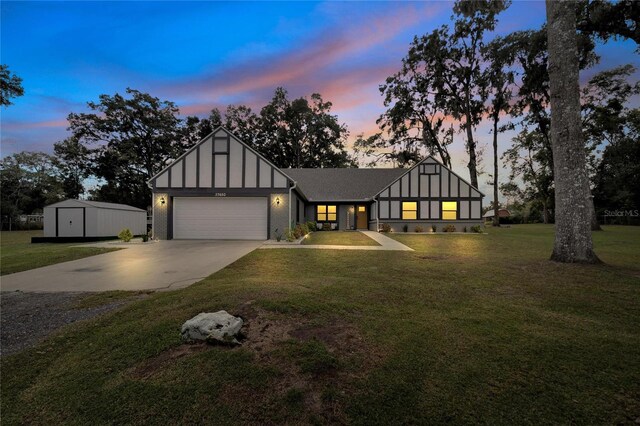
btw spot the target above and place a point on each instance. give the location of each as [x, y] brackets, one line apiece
[218, 327]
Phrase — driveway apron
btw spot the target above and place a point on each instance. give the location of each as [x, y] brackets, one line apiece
[163, 265]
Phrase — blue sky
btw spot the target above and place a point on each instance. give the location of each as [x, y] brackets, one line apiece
[207, 54]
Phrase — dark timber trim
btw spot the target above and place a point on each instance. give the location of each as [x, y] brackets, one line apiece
[244, 165]
[198, 166]
[184, 171]
[228, 161]
[169, 217]
[269, 218]
[210, 192]
[257, 171]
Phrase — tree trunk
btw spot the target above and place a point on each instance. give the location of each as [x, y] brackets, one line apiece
[595, 226]
[545, 213]
[573, 243]
[496, 209]
[471, 147]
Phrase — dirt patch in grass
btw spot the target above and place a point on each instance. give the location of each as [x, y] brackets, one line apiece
[313, 360]
[155, 365]
[316, 359]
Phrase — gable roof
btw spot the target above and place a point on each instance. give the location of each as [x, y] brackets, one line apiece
[426, 160]
[342, 184]
[203, 140]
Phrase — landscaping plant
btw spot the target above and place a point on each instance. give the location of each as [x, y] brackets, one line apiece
[449, 228]
[419, 229]
[125, 235]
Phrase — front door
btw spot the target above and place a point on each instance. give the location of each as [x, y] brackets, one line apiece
[361, 217]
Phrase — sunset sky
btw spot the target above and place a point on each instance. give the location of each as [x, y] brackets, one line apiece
[207, 54]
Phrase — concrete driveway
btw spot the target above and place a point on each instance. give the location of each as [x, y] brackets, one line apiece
[163, 265]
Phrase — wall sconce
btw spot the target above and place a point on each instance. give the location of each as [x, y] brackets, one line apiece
[162, 201]
[277, 201]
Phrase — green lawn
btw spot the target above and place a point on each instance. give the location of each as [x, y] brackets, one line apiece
[339, 238]
[466, 329]
[18, 254]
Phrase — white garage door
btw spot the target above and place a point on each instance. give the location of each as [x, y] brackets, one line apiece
[208, 218]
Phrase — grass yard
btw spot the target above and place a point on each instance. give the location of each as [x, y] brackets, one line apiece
[466, 329]
[18, 254]
[339, 238]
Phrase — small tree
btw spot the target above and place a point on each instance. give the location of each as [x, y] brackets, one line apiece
[125, 235]
[500, 80]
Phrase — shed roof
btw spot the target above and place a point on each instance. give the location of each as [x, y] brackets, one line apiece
[348, 184]
[501, 213]
[95, 204]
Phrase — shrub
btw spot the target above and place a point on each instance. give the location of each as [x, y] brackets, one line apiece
[297, 232]
[405, 228]
[433, 228]
[289, 235]
[300, 230]
[449, 228]
[145, 238]
[464, 229]
[385, 227]
[419, 229]
[125, 235]
[312, 226]
[326, 226]
[477, 229]
[278, 235]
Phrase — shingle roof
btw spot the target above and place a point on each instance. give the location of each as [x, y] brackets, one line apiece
[342, 184]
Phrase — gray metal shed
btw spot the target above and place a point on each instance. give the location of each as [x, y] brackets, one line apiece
[90, 219]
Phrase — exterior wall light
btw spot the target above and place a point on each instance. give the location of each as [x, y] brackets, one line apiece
[277, 201]
[162, 201]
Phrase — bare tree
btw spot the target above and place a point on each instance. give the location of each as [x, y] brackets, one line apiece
[573, 242]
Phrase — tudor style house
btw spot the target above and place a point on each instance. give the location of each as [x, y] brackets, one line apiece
[223, 189]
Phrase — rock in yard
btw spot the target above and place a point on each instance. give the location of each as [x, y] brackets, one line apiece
[212, 327]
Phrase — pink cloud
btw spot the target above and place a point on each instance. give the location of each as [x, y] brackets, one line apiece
[26, 125]
[308, 61]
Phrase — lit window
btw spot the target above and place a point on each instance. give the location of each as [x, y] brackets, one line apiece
[409, 210]
[362, 208]
[449, 210]
[326, 213]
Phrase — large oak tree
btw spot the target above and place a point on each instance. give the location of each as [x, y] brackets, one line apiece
[573, 242]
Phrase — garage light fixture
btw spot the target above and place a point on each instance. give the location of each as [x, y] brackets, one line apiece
[277, 201]
[162, 200]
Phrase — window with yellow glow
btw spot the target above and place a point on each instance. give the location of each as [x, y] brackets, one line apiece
[409, 210]
[326, 213]
[362, 208]
[449, 210]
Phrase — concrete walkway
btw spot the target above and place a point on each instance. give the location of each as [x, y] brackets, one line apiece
[386, 244]
[163, 265]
